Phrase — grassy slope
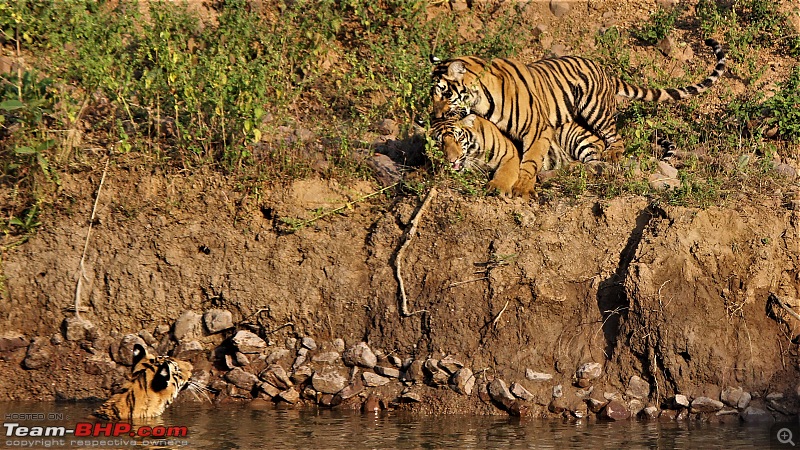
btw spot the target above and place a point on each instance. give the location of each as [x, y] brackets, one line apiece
[264, 91]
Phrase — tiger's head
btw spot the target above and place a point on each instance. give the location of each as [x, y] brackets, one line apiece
[457, 139]
[154, 383]
[455, 90]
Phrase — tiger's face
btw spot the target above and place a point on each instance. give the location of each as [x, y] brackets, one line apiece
[451, 93]
[154, 383]
[457, 141]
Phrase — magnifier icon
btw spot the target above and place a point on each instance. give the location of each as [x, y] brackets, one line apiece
[785, 436]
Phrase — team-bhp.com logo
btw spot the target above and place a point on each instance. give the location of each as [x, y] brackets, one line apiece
[88, 429]
[88, 434]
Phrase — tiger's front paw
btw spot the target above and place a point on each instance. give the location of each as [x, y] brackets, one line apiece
[500, 185]
[613, 153]
[524, 187]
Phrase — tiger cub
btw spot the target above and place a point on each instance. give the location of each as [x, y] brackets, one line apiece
[529, 103]
[154, 383]
[474, 142]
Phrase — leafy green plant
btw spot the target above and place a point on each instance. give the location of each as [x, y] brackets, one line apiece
[661, 22]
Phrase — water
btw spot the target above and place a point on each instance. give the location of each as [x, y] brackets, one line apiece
[242, 427]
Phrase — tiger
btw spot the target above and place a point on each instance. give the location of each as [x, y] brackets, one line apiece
[529, 103]
[475, 142]
[154, 383]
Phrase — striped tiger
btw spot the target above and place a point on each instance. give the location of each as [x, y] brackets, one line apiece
[474, 142]
[154, 383]
[530, 102]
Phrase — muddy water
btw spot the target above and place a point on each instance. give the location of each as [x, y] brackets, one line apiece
[242, 427]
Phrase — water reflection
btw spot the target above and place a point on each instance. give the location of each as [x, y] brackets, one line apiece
[244, 427]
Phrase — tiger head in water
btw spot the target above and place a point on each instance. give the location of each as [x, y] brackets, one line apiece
[154, 383]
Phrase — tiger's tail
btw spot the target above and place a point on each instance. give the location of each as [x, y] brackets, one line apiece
[662, 95]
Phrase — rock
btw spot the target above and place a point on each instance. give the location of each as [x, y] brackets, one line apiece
[744, 400]
[360, 355]
[616, 410]
[241, 379]
[38, 355]
[55, 339]
[351, 390]
[583, 393]
[559, 50]
[289, 396]
[667, 46]
[667, 415]
[99, 365]
[301, 374]
[390, 372]
[774, 396]
[268, 389]
[328, 383]
[299, 361]
[731, 395]
[520, 392]
[595, 405]
[612, 396]
[414, 372]
[638, 388]
[248, 342]
[308, 343]
[338, 345]
[537, 376]
[371, 404]
[539, 30]
[635, 406]
[124, 354]
[330, 400]
[389, 127]
[76, 329]
[386, 171]
[410, 397]
[558, 391]
[680, 401]
[463, 381]
[187, 326]
[661, 183]
[667, 170]
[650, 413]
[148, 338]
[499, 392]
[559, 8]
[275, 375]
[373, 379]
[459, 5]
[436, 376]
[450, 364]
[309, 393]
[589, 371]
[277, 355]
[395, 361]
[326, 357]
[189, 349]
[755, 415]
[217, 320]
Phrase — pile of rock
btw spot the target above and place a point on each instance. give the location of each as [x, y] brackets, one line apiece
[239, 362]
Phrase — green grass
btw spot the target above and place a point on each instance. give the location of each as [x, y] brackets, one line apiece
[231, 93]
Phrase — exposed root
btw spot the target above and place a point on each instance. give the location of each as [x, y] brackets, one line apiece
[81, 273]
[398, 257]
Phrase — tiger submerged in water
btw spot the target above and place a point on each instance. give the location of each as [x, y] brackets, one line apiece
[543, 103]
[155, 382]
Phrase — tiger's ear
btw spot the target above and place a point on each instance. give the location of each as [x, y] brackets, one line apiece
[469, 120]
[138, 354]
[433, 59]
[456, 71]
[161, 378]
